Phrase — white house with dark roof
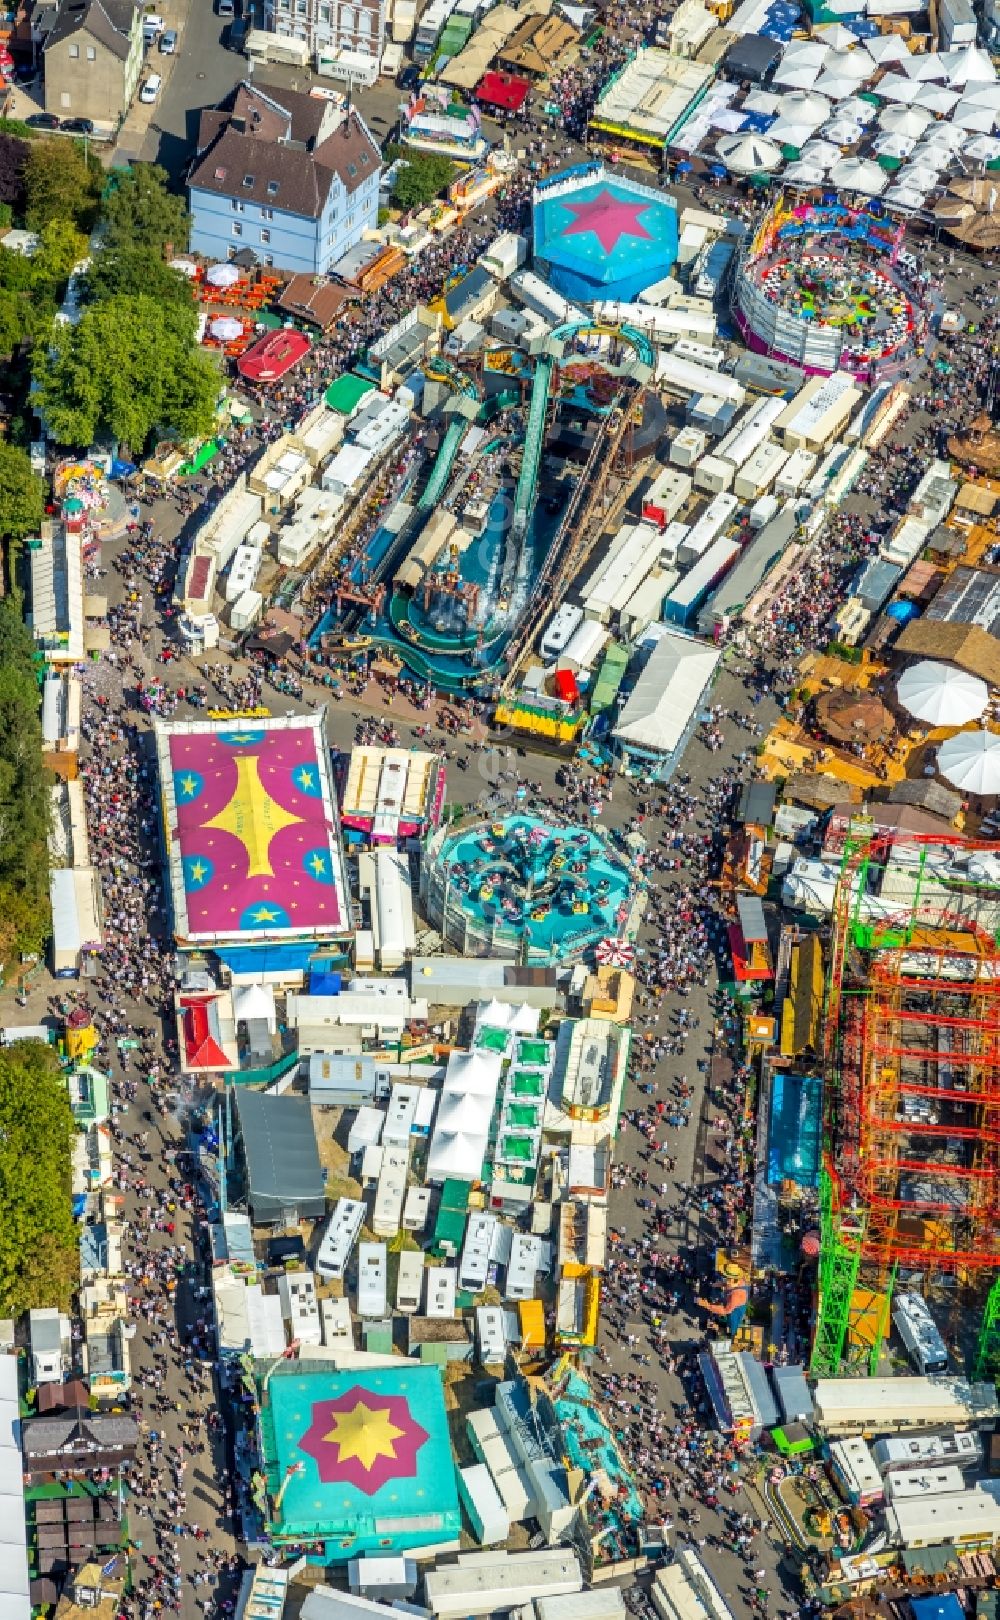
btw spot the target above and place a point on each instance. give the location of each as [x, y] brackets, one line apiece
[290, 177]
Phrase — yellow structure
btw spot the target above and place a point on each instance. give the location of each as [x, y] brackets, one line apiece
[803, 1005]
[578, 1305]
[542, 718]
[81, 1039]
[609, 994]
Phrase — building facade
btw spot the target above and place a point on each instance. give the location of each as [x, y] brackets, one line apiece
[289, 176]
[93, 58]
[345, 37]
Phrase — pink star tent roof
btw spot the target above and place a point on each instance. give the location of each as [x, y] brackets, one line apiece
[600, 235]
[251, 829]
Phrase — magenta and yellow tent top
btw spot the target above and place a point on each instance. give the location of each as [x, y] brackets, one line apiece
[251, 831]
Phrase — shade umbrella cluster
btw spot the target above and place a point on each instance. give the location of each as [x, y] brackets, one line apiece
[941, 695]
[971, 761]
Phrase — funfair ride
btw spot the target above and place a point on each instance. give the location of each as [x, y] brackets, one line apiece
[911, 1163]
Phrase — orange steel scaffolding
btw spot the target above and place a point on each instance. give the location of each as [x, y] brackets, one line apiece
[912, 1046]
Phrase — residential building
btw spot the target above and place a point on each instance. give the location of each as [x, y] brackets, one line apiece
[291, 177]
[93, 58]
[344, 36]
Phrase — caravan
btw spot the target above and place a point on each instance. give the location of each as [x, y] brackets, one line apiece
[339, 1239]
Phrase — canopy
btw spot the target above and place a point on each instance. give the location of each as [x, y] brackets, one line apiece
[935, 98]
[222, 275]
[887, 48]
[971, 761]
[842, 132]
[940, 694]
[857, 109]
[801, 173]
[226, 328]
[981, 119]
[982, 148]
[838, 86]
[859, 174]
[908, 121]
[187, 267]
[893, 146]
[907, 198]
[790, 133]
[855, 64]
[797, 75]
[836, 36]
[749, 154]
[803, 107]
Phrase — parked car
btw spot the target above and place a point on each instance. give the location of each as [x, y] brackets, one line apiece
[152, 28]
[42, 121]
[226, 8]
[150, 89]
[409, 78]
[77, 126]
[168, 42]
[237, 37]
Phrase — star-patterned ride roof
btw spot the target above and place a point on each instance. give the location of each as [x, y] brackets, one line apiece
[358, 1448]
[603, 236]
[251, 830]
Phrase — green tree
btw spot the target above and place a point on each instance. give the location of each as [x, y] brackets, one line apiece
[60, 183]
[133, 272]
[24, 794]
[21, 494]
[11, 326]
[423, 178]
[39, 1244]
[128, 366]
[139, 211]
[60, 247]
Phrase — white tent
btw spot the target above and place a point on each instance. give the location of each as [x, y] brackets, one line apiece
[970, 761]
[856, 64]
[943, 135]
[801, 173]
[857, 110]
[859, 174]
[226, 328]
[981, 119]
[748, 154]
[666, 696]
[968, 65]
[255, 1001]
[909, 121]
[941, 695]
[763, 101]
[896, 87]
[805, 50]
[515, 1016]
[923, 65]
[838, 86]
[462, 1125]
[835, 36]
[15, 1601]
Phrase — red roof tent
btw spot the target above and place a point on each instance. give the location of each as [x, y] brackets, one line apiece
[273, 355]
[201, 1050]
[505, 90]
[564, 682]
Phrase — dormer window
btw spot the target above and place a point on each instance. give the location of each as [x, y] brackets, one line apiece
[352, 169]
[272, 187]
[248, 180]
[220, 174]
[364, 160]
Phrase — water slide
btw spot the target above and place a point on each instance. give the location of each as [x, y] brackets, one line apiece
[534, 439]
[458, 427]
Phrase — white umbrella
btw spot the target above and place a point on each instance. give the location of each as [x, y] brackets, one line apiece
[226, 328]
[981, 95]
[763, 101]
[941, 695]
[821, 154]
[968, 66]
[926, 65]
[909, 121]
[982, 149]
[887, 48]
[748, 154]
[859, 174]
[802, 173]
[797, 75]
[836, 85]
[982, 119]
[842, 132]
[856, 64]
[894, 87]
[835, 36]
[804, 107]
[905, 198]
[222, 275]
[971, 761]
[934, 98]
[944, 135]
[893, 146]
[805, 50]
[789, 133]
[857, 109]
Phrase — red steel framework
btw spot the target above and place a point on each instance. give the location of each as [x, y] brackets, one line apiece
[912, 1042]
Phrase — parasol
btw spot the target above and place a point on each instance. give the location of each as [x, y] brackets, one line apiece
[908, 121]
[940, 694]
[749, 154]
[859, 174]
[971, 761]
[226, 328]
[615, 953]
[222, 275]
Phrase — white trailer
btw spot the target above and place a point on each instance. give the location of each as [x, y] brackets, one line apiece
[340, 1237]
[410, 1281]
[373, 1289]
